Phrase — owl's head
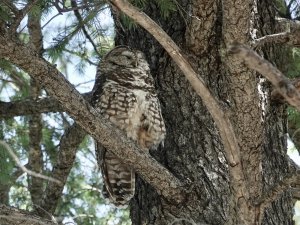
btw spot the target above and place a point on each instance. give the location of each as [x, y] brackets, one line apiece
[125, 57]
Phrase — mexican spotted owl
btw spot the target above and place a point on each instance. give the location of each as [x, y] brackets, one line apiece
[124, 93]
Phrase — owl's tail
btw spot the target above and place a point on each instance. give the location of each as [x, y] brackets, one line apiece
[119, 179]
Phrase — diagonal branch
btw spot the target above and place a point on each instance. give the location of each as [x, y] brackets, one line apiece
[69, 143]
[89, 119]
[282, 84]
[23, 168]
[222, 121]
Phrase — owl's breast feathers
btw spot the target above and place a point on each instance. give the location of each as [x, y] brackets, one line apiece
[129, 100]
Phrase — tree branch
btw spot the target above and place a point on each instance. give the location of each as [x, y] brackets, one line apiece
[35, 156]
[222, 121]
[21, 14]
[30, 106]
[23, 168]
[282, 84]
[81, 23]
[89, 119]
[290, 25]
[14, 216]
[288, 38]
[69, 143]
[63, 8]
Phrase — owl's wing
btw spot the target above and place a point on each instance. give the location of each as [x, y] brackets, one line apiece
[117, 105]
[152, 131]
[98, 87]
[119, 179]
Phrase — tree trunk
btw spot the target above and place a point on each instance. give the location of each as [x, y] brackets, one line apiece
[193, 150]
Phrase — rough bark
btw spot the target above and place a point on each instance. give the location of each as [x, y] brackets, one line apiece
[30, 106]
[69, 143]
[13, 216]
[35, 157]
[193, 150]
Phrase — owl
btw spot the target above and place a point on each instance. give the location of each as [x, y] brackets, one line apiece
[124, 93]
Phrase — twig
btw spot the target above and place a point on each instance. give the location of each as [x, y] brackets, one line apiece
[25, 170]
[274, 38]
[288, 38]
[85, 82]
[62, 9]
[81, 23]
[53, 17]
[67, 38]
[22, 13]
[222, 121]
[82, 56]
[291, 35]
[265, 68]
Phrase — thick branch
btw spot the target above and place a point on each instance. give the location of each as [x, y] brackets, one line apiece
[30, 106]
[89, 119]
[14, 216]
[221, 119]
[265, 68]
[35, 157]
[69, 143]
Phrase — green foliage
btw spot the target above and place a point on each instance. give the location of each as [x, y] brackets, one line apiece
[128, 22]
[13, 79]
[5, 14]
[281, 6]
[6, 166]
[72, 36]
[166, 7]
[294, 65]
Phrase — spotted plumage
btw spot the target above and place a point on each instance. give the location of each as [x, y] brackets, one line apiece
[124, 94]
